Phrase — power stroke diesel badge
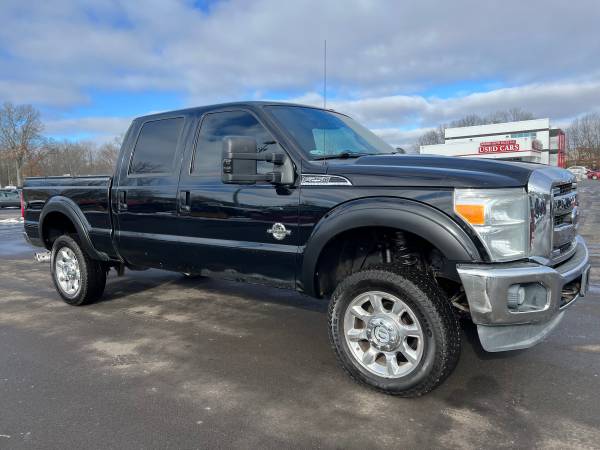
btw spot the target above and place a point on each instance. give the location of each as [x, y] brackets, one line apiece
[278, 231]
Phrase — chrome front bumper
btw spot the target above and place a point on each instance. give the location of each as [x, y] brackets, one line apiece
[487, 290]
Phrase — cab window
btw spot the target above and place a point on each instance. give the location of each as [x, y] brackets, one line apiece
[156, 145]
[215, 126]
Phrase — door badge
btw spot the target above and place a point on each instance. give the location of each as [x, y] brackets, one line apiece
[278, 231]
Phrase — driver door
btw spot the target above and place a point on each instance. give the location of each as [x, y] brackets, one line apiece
[235, 230]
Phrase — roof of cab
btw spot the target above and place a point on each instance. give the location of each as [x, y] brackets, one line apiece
[202, 109]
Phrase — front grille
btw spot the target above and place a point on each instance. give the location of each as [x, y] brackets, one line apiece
[564, 189]
[565, 220]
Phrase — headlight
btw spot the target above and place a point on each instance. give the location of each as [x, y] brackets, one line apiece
[500, 217]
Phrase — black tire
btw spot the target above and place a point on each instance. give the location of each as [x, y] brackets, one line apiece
[423, 296]
[92, 273]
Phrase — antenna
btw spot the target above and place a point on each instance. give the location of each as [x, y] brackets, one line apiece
[325, 74]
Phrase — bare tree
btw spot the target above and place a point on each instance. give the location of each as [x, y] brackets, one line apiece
[108, 154]
[583, 137]
[20, 134]
[74, 158]
[468, 121]
[435, 136]
[510, 115]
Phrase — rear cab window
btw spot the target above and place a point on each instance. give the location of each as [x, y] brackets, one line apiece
[156, 146]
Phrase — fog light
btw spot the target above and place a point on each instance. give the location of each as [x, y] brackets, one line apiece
[527, 297]
[516, 296]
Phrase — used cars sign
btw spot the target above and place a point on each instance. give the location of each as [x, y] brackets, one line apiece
[499, 146]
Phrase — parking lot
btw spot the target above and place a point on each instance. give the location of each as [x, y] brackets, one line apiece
[168, 362]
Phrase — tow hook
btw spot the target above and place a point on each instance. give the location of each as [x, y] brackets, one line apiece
[42, 257]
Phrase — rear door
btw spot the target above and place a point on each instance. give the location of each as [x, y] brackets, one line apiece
[228, 228]
[145, 197]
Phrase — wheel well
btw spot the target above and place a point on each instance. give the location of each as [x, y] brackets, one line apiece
[358, 248]
[56, 224]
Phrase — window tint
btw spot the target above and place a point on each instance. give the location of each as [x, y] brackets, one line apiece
[216, 126]
[156, 145]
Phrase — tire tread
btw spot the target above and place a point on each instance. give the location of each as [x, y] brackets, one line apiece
[93, 280]
[439, 310]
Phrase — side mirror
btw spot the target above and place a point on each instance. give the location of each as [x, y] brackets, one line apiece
[239, 157]
[238, 164]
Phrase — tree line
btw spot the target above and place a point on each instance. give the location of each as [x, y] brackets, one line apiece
[25, 151]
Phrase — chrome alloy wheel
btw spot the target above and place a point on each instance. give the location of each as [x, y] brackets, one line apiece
[68, 274]
[383, 334]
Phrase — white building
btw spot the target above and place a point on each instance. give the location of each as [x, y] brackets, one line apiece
[525, 140]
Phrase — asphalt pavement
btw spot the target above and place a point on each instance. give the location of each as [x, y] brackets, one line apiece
[168, 362]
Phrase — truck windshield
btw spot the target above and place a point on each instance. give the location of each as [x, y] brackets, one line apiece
[327, 135]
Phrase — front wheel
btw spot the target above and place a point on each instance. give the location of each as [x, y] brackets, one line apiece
[78, 279]
[394, 330]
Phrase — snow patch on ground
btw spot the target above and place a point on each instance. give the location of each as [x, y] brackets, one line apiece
[11, 221]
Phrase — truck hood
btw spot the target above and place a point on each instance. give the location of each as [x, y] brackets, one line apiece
[432, 171]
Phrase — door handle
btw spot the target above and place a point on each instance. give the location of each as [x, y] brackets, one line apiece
[122, 201]
[185, 205]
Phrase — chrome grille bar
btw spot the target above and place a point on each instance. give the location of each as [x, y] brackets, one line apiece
[564, 207]
[564, 204]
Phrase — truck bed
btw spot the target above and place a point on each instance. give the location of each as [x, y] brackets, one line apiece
[90, 193]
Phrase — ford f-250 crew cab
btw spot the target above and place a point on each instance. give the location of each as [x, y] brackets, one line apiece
[307, 199]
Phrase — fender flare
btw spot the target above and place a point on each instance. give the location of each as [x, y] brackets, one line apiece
[407, 215]
[71, 210]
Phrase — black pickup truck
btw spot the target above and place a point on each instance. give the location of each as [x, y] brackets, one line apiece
[307, 199]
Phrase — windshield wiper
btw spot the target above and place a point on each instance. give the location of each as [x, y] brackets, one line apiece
[342, 155]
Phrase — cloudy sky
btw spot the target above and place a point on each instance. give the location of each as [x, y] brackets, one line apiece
[400, 67]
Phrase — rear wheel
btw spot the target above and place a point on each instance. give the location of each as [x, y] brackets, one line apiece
[78, 279]
[394, 331]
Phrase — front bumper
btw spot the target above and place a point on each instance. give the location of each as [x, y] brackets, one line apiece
[487, 290]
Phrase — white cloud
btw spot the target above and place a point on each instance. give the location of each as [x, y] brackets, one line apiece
[103, 128]
[32, 92]
[375, 48]
[400, 138]
[555, 100]
[385, 58]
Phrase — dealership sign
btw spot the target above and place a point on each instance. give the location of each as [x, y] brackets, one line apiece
[499, 146]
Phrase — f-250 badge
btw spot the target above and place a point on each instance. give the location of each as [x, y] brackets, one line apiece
[279, 231]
